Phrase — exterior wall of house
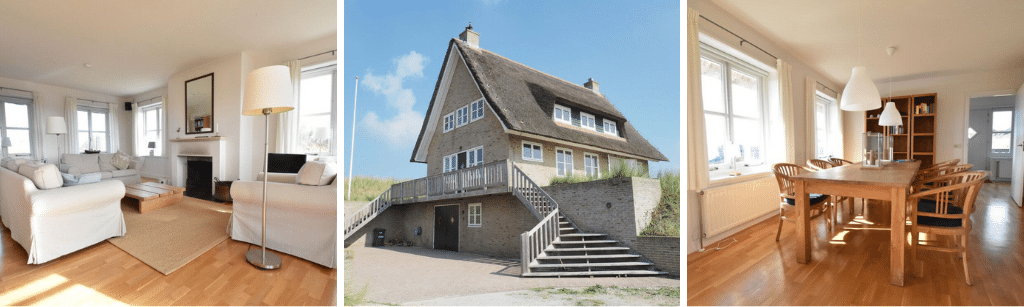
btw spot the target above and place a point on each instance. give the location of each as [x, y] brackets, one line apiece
[391, 220]
[631, 202]
[542, 172]
[662, 251]
[486, 131]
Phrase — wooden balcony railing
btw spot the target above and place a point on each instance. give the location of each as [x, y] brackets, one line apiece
[482, 179]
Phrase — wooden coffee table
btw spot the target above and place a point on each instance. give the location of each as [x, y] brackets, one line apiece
[149, 196]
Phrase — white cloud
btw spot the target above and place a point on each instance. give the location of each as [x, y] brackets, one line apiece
[403, 128]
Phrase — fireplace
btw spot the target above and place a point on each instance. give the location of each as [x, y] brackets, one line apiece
[199, 177]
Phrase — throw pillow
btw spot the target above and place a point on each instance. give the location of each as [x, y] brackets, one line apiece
[316, 173]
[44, 176]
[5, 161]
[15, 164]
[72, 180]
[121, 160]
[106, 162]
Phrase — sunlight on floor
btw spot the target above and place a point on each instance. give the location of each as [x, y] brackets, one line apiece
[839, 238]
[859, 220]
[80, 295]
[31, 289]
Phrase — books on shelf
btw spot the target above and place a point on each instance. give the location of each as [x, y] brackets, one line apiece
[924, 108]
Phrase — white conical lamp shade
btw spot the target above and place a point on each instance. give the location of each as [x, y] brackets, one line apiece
[268, 88]
[860, 93]
[890, 116]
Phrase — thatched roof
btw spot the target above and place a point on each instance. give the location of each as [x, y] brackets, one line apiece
[524, 99]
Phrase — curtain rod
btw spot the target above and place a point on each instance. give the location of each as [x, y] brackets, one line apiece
[740, 37]
[93, 101]
[14, 89]
[322, 53]
[822, 85]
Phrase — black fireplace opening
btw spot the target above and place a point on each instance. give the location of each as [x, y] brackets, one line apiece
[199, 178]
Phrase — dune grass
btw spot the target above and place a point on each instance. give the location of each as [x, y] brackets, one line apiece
[665, 216]
[620, 171]
[366, 188]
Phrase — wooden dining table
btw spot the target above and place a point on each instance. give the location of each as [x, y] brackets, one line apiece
[890, 183]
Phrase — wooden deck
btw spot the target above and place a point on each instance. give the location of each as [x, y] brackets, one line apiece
[485, 179]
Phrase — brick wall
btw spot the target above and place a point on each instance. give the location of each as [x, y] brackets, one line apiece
[391, 220]
[662, 251]
[541, 172]
[630, 199]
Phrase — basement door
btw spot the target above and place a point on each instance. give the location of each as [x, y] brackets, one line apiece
[446, 227]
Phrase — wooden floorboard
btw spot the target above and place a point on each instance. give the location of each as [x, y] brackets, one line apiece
[851, 265]
[104, 274]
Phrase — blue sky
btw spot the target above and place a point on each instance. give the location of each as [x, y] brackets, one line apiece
[396, 49]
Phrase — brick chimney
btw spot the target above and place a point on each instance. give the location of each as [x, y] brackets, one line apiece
[470, 37]
[592, 85]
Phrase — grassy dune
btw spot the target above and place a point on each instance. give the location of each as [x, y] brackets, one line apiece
[365, 188]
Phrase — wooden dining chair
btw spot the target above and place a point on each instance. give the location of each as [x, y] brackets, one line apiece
[787, 192]
[945, 209]
[939, 165]
[819, 164]
[839, 162]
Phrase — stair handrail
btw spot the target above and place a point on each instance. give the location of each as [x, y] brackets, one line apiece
[366, 213]
[534, 242]
[519, 181]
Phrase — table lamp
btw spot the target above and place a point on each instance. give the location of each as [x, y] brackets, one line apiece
[6, 143]
[268, 90]
[152, 147]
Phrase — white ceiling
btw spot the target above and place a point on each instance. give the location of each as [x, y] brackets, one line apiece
[933, 38]
[134, 46]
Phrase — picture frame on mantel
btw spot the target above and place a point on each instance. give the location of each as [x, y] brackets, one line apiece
[199, 117]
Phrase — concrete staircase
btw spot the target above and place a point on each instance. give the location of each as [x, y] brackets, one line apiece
[574, 253]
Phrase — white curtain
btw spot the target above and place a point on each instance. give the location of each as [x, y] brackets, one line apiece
[70, 116]
[136, 119]
[809, 126]
[696, 145]
[113, 134]
[837, 128]
[288, 122]
[786, 97]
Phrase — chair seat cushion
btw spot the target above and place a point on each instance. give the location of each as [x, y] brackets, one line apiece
[815, 198]
[928, 205]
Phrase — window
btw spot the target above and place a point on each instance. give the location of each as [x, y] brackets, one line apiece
[734, 95]
[476, 110]
[150, 129]
[615, 163]
[587, 121]
[563, 162]
[449, 122]
[1002, 129]
[462, 116]
[590, 165]
[533, 152]
[824, 119]
[475, 214]
[92, 128]
[609, 127]
[318, 110]
[17, 125]
[463, 159]
[563, 114]
[450, 163]
[475, 156]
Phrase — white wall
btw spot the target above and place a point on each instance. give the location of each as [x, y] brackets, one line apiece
[800, 72]
[49, 101]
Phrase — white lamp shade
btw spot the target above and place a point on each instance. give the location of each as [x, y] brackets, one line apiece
[320, 133]
[55, 125]
[890, 116]
[860, 93]
[268, 88]
[6, 142]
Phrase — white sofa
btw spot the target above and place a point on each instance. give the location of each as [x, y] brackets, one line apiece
[302, 220]
[77, 164]
[55, 222]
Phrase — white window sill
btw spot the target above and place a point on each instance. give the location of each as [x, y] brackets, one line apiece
[729, 180]
[533, 160]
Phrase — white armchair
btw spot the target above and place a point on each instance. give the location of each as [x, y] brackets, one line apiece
[301, 219]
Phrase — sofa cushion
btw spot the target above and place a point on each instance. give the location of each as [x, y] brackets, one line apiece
[121, 160]
[44, 176]
[316, 173]
[106, 162]
[15, 164]
[86, 163]
[3, 163]
[71, 180]
[124, 172]
[106, 175]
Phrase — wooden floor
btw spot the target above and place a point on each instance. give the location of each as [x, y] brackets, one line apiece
[851, 266]
[103, 274]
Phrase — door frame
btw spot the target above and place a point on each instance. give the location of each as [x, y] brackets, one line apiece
[967, 116]
[458, 234]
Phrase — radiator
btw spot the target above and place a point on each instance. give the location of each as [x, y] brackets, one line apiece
[728, 206]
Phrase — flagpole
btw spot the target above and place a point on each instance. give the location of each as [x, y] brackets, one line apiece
[352, 147]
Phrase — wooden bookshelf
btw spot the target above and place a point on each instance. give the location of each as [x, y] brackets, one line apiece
[916, 140]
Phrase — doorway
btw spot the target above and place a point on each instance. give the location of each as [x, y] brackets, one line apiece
[989, 135]
[446, 227]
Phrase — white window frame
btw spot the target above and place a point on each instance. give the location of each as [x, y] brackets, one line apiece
[90, 110]
[991, 122]
[317, 70]
[478, 214]
[462, 116]
[730, 63]
[824, 137]
[566, 114]
[560, 166]
[29, 103]
[449, 122]
[614, 130]
[476, 110]
[145, 128]
[588, 121]
[474, 156]
[596, 165]
[539, 148]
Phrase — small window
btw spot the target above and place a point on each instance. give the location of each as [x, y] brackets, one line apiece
[449, 122]
[587, 121]
[609, 128]
[563, 114]
[590, 165]
[533, 152]
[563, 162]
[475, 215]
[451, 163]
[462, 116]
[1002, 129]
[476, 110]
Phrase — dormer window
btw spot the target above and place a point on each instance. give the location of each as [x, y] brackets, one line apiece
[563, 114]
[588, 121]
[609, 128]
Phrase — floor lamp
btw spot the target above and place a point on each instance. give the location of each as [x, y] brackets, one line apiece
[56, 125]
[268, 90]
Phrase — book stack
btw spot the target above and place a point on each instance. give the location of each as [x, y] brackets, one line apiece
[923, 108]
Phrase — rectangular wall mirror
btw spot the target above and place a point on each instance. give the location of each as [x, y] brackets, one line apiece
[199, 105]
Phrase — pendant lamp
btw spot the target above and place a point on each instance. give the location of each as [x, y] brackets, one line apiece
[890, 116]
[860, 93]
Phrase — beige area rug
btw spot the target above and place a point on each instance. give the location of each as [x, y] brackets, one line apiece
[170, 237]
